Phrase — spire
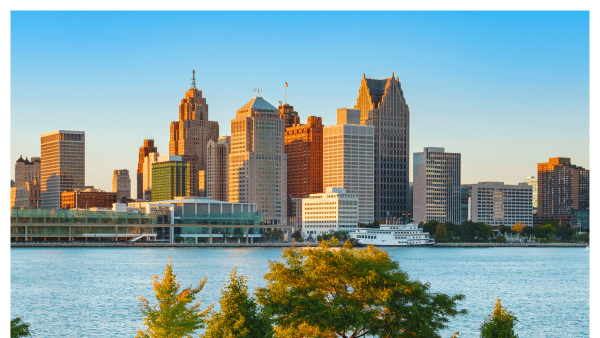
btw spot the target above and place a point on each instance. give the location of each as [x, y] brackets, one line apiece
[392, 75]
[363, 76]
[193, 79]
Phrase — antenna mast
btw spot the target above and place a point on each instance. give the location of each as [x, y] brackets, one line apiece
[193, 79]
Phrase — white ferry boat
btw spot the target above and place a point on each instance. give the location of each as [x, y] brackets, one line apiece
[392, 235]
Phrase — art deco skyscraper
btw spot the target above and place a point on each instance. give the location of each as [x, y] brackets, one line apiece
[436, 186]
[63, 165]
[257, 160]
[121, 184]
[192, 132]
[382, 105]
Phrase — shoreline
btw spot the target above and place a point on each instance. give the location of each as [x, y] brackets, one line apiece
[277, 245]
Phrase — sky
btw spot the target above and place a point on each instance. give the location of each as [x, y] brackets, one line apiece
[506, 89]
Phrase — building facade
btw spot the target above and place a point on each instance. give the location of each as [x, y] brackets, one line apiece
[26, 189]
[496, 203]
[62, 165]
[147, 149]
[170, 178]
[532, 181]
[87, 198]
[465, 203]
[217, 168]
[348, 116]
[382, 105]
[121, 184]
[189, 135]
[288, 115]
[27, 171]
[333, 210]
[149, 160]
[304, 150]
[348, 164]
[257, 160]
[436, 186]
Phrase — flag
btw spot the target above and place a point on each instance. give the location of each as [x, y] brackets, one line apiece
[286, 84]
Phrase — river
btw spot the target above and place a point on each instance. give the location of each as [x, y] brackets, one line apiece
[93, 292]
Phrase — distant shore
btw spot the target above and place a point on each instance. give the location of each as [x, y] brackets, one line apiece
[265, 245]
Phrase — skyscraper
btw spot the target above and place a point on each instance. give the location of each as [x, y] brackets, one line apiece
[144, 151]
[436, 186]
[121, 184]
[170, 178]
[63, 165]
[304, 149]
[217, 168]
[562, 187]
[257, 160]
[348, 164]
[382, 105]
[192, 132]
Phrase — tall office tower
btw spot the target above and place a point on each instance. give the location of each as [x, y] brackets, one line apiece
[27, 171]
[562, 187]
[170, 178]
[63, 165]
[217, 169]
[348, 164]
[287, 113]
[121, 184]
[348, 116]
[532, 181]
[149, 160]
[192, 132]
[144, 151]
[257, 160]
[382, 105]
[304, 149]
[436, 184]
[496, 203]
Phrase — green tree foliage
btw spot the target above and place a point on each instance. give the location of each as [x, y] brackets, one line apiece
[273, 235]
[430, 227]
[340, 236]
[564, 232]
[543, 231]
[527, 231]
[499, 324]
[582, 237]
[174, 315]
[18, 328]
[351, 293]
[440, 233]
[239, 316]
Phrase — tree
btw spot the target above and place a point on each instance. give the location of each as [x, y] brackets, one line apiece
[564, 232]
[440, 233]
[18, 328]
[499, 324]
[171, 317]
[351, 293]
[430, 227]
[518, 227]
[543, 231]
[239, 316]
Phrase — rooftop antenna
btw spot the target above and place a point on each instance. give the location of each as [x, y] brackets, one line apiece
[193, 79]
[286, 85]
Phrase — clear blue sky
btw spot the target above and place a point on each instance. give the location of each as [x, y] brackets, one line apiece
[505, 89]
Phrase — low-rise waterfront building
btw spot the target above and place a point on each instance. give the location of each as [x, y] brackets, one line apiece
[87, 198]
[334, 210]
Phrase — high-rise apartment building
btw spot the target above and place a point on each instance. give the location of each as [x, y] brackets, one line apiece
[382, 105]
[170, 178]
[217, 168]
[121, 184]
[436, 186]
[192, 132]
[304, 149]
[562, 187]
[496, 203]
[348, 164]
[62, 165]
[144, 151]
[257, 160]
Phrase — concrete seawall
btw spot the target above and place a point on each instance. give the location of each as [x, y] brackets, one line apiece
[510, 245]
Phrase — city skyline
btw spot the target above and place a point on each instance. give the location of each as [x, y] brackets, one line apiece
[507, 90]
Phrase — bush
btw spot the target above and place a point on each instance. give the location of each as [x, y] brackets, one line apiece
[499, 324]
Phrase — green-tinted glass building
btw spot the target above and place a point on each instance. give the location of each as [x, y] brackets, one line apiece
[170, 178]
